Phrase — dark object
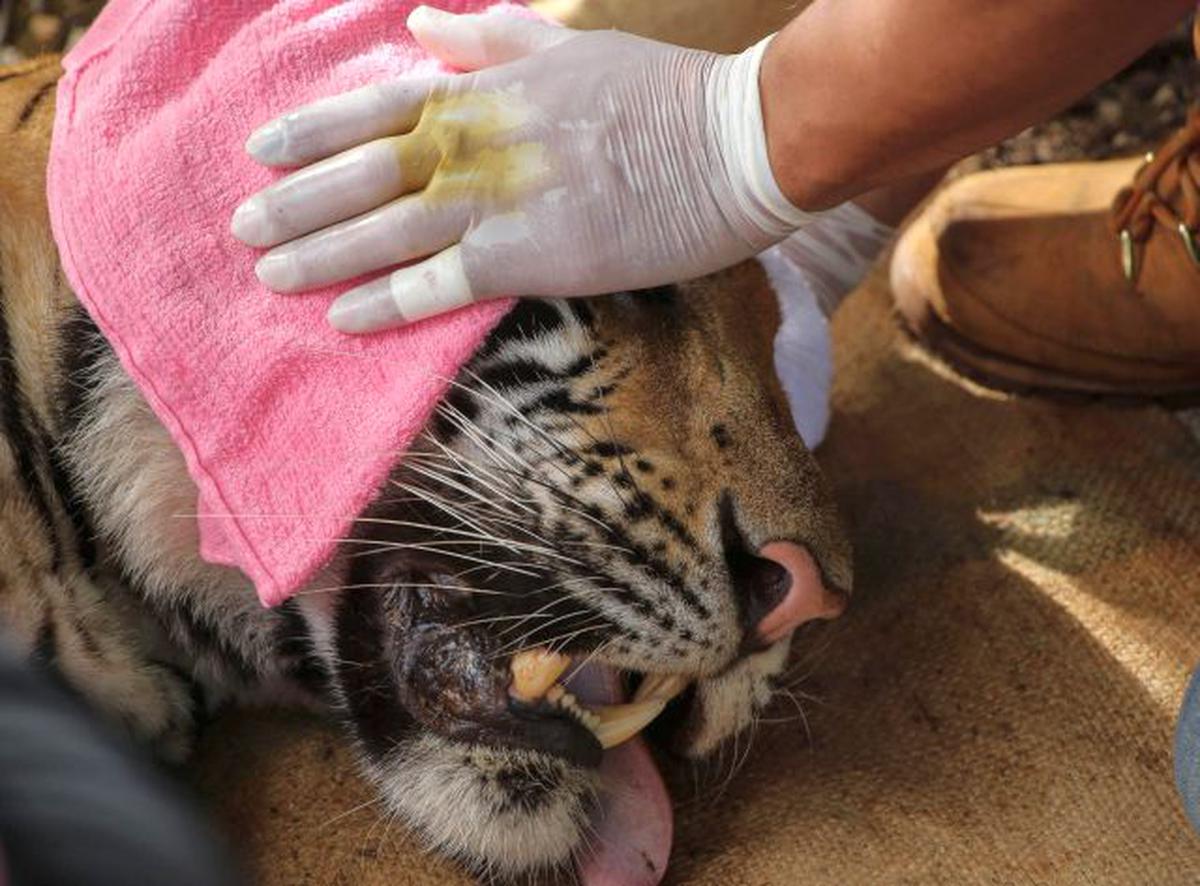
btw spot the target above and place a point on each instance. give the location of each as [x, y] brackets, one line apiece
[77, 805]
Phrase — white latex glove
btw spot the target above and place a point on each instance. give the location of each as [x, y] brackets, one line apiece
[568, 163]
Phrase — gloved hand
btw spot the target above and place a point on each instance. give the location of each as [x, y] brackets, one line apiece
[568, 163]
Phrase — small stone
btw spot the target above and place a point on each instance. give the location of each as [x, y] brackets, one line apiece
[1165, 96]
[74, 37]
[44, 29]
[1109, 111]
[1123, 141]
[1044, 151]
[1167, 119]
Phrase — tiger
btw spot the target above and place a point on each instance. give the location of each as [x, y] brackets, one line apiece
[598, 485]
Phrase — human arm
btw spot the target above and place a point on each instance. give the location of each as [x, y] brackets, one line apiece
[862, 93]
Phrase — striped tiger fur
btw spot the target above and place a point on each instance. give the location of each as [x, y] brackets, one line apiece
[590, 484]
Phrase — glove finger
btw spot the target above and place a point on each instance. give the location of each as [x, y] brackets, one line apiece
[481, 40]
[435, 286]
[338, 188]
[409, 228]
[333, 124]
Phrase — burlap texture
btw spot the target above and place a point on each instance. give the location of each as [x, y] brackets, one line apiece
[996, 706]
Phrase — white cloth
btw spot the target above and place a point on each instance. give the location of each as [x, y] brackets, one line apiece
[812, 271]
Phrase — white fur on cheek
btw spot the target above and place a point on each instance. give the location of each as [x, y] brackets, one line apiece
[729, 703]
[457, 797]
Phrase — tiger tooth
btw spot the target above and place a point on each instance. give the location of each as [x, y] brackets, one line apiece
[534, 671]
[660, 687]
[618, 723]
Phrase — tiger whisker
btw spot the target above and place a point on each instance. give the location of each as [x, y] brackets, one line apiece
[556, 491]
[521, 642]
[388, 585]
[557, 639]
[468, 538]
[358, 808]
[790, 696]
[379, 547]
[495, 619]
[559, 643]
[453, 510]
[472, 430]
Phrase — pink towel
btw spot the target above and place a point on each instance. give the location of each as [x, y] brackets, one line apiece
[288, 428]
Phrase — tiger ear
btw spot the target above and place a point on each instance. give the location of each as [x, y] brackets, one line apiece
[803, 351]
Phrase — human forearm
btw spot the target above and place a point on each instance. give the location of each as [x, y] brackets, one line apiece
[859, 93]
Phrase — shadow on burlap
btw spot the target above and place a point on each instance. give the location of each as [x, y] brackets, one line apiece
[996, 706]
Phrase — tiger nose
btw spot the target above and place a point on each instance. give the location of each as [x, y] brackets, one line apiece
[798, 595]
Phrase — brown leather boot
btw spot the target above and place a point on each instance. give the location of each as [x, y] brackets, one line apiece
[1077, 277]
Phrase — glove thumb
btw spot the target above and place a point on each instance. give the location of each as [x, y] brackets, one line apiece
[470, 42]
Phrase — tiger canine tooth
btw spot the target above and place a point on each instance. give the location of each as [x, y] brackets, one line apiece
[534, 671]
[620, 722]
[660, 687]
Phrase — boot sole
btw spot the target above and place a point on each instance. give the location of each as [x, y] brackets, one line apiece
[1011, 376]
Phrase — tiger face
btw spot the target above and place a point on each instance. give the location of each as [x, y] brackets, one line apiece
[610, 524]
[601, 503]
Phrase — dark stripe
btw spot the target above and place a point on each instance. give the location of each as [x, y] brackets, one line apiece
[560, 400]
[45, 648]
[583, 314]
[530, 318]
[34, 101]
[192, 631]
[653, 566]
[462, 407]
[515, 373]
[609, 449]
[64, 487]
[521, 372]
[368, 685]
[14, 413]
[87, 640]
[81, 350]
[68, 496]
[76, 508]
[44, 657]
[197, 701]
[582, 365]
[294, 643]
[13, 75]
[664, 296]
[205, 637]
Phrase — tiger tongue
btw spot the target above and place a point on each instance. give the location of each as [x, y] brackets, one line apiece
[631, 840]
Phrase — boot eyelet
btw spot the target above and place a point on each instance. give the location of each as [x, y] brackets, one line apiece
[1128, 255]
[1189, 243]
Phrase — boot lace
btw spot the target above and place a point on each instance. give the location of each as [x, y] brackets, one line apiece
[1165, 191]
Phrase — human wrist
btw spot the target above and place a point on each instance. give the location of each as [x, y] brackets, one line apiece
[810, 169]
[736, 128]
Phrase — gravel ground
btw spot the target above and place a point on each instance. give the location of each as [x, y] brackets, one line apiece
[32, 27]
[1129, 114]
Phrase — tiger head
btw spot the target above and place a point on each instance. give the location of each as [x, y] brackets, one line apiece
[610, 521]
[611, 504]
